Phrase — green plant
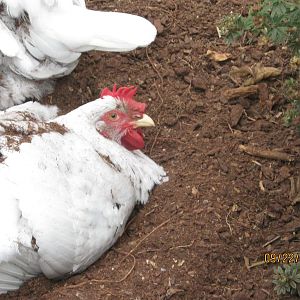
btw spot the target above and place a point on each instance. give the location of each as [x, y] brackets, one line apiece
[278, 20]
[291, 88]
[291, 114]
[287, 279]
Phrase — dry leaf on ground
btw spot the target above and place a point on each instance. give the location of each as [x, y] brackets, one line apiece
[252, 75]
[218, 56]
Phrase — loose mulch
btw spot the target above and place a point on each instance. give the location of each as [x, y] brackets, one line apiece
[205, 232]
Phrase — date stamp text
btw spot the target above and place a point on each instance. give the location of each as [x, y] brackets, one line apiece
[283, 258]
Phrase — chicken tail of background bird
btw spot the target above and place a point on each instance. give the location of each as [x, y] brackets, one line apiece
[12, 275]
[119, 31]
[80, 30]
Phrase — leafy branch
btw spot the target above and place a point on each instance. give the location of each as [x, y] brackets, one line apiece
[287, 279]
[277, 20]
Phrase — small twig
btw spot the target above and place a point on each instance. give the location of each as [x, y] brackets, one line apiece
[294, 185]
[266, 292]
[233, 80]
[154, 68]
[249, 118]
[255, 264]
[150, 212]
[183, 246]
[270, 154]
[145, 237]
[257, 163]
[247, 262]
[271, 241]
[226, 220]
[168, 248]
[219, 32]
[230, 128]
[89, 91]
[154, 142]
[75, 286]
[261, 186]
[105, 280]
[176, 140]
[160, 97]
[124, 277]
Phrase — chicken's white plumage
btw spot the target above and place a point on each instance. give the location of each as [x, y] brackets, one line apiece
[50, 36]
[66, 191]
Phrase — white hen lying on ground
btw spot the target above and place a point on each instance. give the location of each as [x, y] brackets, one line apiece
[43, 39]
[69, 184]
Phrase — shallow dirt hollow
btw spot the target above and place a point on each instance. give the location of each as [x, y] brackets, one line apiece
[220, 204]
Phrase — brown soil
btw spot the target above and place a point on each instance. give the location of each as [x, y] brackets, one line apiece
[220, 205]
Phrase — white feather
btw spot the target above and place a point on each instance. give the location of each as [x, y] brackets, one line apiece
[9, 45]
[15, 89]
[59, 191]
[39, 111]
[51, 37]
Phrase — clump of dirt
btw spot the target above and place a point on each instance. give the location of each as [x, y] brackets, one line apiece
[221, 206]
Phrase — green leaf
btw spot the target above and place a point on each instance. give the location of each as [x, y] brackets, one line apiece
[297, 278]
[293, 284]
[298, 289]
[282, 291]
[278, 11]
[280, 270]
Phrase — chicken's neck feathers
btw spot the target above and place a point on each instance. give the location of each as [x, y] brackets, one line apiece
[142, 170]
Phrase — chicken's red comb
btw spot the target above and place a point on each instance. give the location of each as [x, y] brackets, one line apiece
[125, 94]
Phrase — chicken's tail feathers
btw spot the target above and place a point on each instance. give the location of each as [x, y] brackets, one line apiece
[80, 30]
[9, 45]
[122, 32]
[12, 275]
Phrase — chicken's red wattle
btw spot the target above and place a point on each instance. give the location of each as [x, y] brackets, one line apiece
[133, 139]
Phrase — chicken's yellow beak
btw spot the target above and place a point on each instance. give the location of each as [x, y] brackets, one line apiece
[145, 121]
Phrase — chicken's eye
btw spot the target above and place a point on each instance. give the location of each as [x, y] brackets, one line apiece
[113, 116]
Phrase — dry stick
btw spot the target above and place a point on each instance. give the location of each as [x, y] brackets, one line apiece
[123, 278]
[146, 236]
[271, 241]
[160, 97]
[261, 186]
[168, 248]
[154, 68]
[161, 104]
[73, 286]
[227, 222]
[230, 128]
[183, 246]
[271, 154]
[241, 91]
[127, 254]
[247, 262]
[258, 263]
[150, 212]
[255, 264]
[154, 142]
[105, 280]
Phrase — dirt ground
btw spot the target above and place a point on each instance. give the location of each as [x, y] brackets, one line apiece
[220, 205]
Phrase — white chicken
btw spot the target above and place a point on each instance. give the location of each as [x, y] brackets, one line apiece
[69, 184]
[43, 39]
